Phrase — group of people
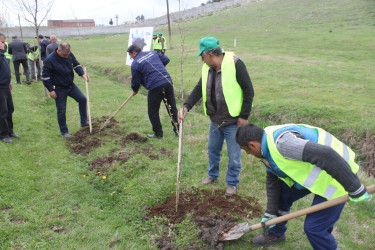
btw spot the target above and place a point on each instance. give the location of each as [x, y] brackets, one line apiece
[159, 43]
[299, 159]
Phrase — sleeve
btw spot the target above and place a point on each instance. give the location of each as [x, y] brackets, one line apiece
[10, 49]
[164, 59]
[329, 160]
[46, 75]
[136, 79]
[273, 188]
[244, 81]
[195, 95]
[76, 66]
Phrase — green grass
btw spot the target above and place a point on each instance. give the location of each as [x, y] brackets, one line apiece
[310, 61]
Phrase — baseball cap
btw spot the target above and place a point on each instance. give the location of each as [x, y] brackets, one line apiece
[154, 34]
[160, 34]
[207, 43]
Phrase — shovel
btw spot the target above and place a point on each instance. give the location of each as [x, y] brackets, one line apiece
[118, 110]
[238, 230]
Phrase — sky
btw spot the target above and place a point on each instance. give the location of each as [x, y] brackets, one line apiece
[103, 11]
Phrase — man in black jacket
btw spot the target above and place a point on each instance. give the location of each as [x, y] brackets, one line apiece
[227, 94]
[43, 47]
[18, 50]
[58, 78]
[6, 101]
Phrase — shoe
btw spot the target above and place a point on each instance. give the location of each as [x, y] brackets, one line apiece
[86, 124]
[265, 240]
[7, 140]
[18, 82]
[208, 180]
[14, 135]
[230, 191]
[28, 82]
[154, 136]
[66, 135]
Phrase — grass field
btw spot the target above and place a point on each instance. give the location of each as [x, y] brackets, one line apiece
[309, 61]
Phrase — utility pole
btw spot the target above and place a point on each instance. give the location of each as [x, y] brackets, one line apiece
[169, 26]
[19, 21]
[116, 19]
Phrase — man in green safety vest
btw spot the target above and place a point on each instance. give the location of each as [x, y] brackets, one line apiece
[156, 44]
[163, 43]
[302, 159]
[227, 92]
[33, 57]
[6, 54]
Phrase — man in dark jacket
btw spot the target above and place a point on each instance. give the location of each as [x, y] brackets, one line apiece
[43, 47]
[52, 46]
[227, 92]
[148, 69]
[6, 101]
[58, 78]
[18, 50]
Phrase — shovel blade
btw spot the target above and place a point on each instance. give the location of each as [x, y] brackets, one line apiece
[235, 232]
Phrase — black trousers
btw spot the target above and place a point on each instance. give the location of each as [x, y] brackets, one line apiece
[6, 111]
[163, 93]
[16, 64]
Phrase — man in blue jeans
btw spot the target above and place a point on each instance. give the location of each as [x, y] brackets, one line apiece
[58, 78]
[227, 93]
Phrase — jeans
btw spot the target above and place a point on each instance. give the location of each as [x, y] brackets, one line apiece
[16, 65]
[163, 93]
[318, 226]
[62, 95]
[6, 111]
[215, 144]
[32, 68]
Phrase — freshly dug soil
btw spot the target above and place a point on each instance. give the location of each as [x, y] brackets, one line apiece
[211, 210]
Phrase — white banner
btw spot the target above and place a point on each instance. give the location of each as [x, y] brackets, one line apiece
[142, 37]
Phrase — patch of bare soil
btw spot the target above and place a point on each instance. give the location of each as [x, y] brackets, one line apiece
[18, 221]
[102, 164]
[211, 210]
[368, 153]
[132, 137]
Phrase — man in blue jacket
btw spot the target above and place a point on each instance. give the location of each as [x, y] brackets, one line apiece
[58, 78]
[148, 69]
[6, 101]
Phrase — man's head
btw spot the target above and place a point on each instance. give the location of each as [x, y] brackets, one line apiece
[154, 36]
[14, 37]
[53, 39]
[211, 52]
[2, 38]
[63, 50]
[160, 34]
[249, 137]
[40, 38]
[133, 50]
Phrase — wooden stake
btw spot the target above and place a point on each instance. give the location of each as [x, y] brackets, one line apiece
[180, 146]
[88, 100]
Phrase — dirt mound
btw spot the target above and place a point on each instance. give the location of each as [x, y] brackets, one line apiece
[211, 210]
[368, 153]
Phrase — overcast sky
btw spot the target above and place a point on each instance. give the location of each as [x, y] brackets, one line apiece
[103, 11]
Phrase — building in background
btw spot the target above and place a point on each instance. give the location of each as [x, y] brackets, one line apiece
[71, 23]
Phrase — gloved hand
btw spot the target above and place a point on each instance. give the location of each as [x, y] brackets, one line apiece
[364, 197]
[267, 218]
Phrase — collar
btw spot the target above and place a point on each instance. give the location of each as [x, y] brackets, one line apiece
[264, 146]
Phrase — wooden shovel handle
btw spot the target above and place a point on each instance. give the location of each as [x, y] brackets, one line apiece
[309, 210]
[122, 105]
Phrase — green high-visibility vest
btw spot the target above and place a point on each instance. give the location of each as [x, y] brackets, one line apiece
[156, 44]
[312, 177]
[7, 55]
[232, 91]
[32, 57]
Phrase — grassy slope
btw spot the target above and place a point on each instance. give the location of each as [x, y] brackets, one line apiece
[301, 72]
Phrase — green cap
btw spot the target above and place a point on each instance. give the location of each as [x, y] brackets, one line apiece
[160, 34]
[207, 43]
[154, 34]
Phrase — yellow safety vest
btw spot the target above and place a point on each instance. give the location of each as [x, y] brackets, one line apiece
[7, 55]
[312, 177]
[232, 91]
[156, 44]
[165, 43]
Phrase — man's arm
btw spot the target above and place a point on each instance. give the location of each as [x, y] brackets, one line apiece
[136, 80]
[244, 81]
[46, 75]
[76, 66]
[195, 95]
[164, 59]
[273, 187]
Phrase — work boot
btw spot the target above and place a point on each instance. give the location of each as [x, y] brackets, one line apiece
[66, 135]
[154, 136]
[6, 140]
[86, 124]
[14, 135]
[207, 181]
[231, 190]
[268, 239]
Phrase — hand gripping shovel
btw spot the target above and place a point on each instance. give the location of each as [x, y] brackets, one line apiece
[238, 230]
[118, 110]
